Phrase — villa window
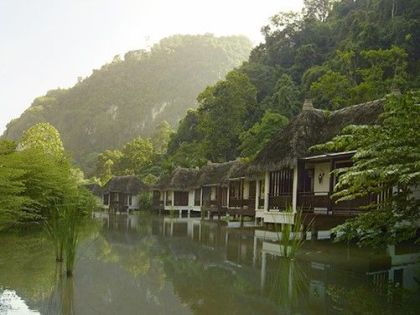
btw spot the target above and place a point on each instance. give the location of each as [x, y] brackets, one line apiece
[307, 180]
[181, 198]
[106, 199]
[281, 182]
[197, 197]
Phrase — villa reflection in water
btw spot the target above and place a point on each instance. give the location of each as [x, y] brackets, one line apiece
[147, 264]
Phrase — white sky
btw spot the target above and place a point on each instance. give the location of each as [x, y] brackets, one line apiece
[45, 44]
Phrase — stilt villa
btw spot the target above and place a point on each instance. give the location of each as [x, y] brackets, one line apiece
[121, 193]
[245, 191]
[285, 176]
[296, 178]
[214, 182]
[179, 192]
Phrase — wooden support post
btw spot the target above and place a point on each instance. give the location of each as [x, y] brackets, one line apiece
[266, 190]
[173, 199]
[263, 269]
[295, 188]
[257, 194]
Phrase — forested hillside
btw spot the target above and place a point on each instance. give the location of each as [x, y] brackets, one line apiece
[130, 96]
[337, 53]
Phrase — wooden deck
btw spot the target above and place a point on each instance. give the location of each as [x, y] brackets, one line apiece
[308, 202]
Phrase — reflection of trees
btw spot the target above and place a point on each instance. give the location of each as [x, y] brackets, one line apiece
[61, 300]
[132, 247]
[287, 283]
[209, 284]
[27, 264]
[135, 260]
[367, 299]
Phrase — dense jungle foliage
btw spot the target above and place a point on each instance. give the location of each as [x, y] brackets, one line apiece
[338, 53]
[129, 96]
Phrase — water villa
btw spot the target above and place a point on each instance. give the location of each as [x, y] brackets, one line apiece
[120, 194]
[286, 174]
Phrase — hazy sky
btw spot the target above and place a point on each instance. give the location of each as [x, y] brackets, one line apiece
[45, 44]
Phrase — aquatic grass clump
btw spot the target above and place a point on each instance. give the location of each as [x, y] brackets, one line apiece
[288, 282]
[71, 225]
[172, 213]
[54, 231]
[64, 223]
[292, 236]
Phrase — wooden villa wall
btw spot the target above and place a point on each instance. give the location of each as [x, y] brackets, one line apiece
[242, 194]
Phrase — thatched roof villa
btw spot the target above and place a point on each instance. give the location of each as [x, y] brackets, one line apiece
[284, 174]
[301, 179]
[120, 194]
[310, 127]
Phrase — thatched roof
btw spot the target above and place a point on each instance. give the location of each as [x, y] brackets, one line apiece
[125, 184]
[239, 170]
[216, 173]
[212, 174]
[182, 179]
[311, 127]
[94, 188]
[162, 183]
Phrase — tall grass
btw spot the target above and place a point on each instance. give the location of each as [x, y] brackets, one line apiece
[292, 236]
[53, 229]
[287, 283]
[145, 201]
[64, 224]
[71, 224]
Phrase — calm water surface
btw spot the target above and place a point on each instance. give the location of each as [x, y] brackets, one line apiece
[150, 265]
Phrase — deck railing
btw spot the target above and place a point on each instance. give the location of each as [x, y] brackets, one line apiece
[158, 204]
[280, 202]
[309, 201]
[242, 203]
[210, 203]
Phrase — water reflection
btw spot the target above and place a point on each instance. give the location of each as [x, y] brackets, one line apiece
[152, 265]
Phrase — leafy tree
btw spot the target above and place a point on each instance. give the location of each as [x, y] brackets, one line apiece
[34, 178]
[263, 77]
[150, 179]
[311, 75]
[255, 138]
[317, 9]
[187, 131]
[45, 137]
[286, 97]
[12, 199]
[137, 155]
[187, 155]
[386, 164]
[161, 137]
[387, 70]
[105, 164]
[224, 110]
[331, 91]
[7, 146]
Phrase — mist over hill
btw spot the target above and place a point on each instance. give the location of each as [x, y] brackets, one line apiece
[131, 95]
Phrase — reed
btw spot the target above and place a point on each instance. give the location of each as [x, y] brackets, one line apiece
[292, 236]
[72, 222]
[64, 224]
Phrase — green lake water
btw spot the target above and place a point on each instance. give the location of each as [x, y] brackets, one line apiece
[143, 264]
